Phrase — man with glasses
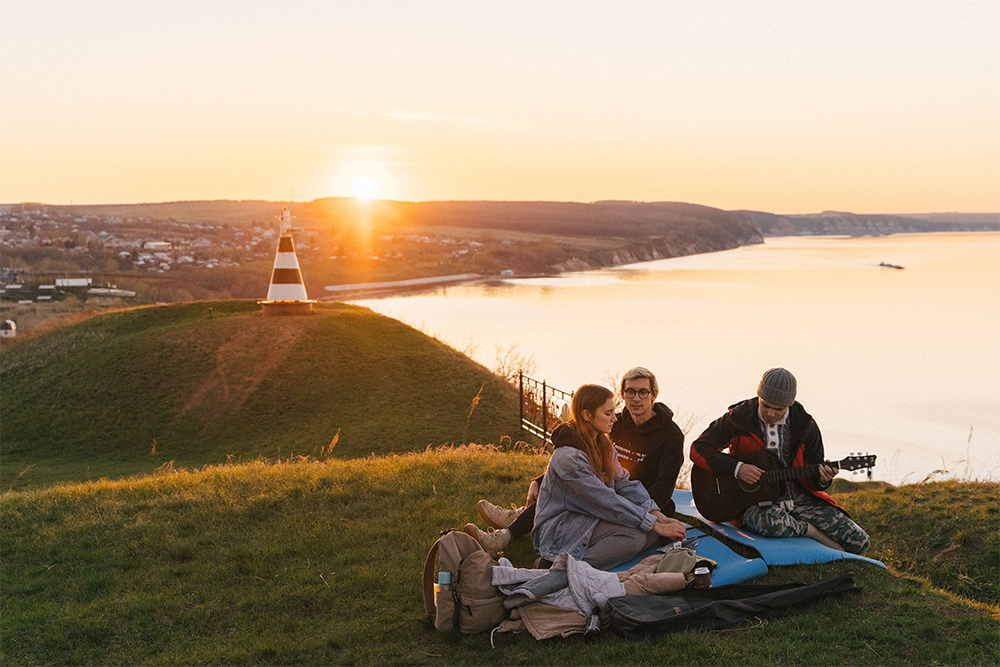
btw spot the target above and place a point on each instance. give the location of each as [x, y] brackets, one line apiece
[776, 423]
[649, 445]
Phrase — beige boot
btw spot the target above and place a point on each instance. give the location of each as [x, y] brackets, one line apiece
[496, 516]
[493, 542]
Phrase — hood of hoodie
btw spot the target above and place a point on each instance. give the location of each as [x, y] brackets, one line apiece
[564, 436]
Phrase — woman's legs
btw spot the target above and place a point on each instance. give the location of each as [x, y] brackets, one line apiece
[499, 539]
[612, 544]
[523, 524]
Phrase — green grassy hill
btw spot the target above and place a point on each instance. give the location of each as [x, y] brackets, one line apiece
[250, 541]
[309, 563]
[203, 383]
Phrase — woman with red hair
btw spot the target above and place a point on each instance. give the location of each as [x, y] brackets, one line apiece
[587, 505]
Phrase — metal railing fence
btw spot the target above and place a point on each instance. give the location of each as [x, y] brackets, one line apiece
[542, 407]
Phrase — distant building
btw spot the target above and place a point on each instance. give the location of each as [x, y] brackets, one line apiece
[111, 292]
[73, 282]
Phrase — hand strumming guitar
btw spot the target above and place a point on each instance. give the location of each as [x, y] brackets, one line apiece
[749, 473]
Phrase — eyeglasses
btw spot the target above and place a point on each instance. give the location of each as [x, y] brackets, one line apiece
[641, 393]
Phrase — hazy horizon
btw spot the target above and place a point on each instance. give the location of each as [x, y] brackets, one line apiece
[774, 106]
[497, 201]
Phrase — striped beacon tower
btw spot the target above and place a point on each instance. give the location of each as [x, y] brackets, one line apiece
[287, 293]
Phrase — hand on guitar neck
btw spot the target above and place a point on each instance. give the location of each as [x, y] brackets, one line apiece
[750, 474]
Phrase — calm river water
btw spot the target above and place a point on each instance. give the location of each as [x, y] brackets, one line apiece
[904, 364]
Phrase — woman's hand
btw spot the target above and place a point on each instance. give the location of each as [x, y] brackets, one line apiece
[533, 490]
[672, 529]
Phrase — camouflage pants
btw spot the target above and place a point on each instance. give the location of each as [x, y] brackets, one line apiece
[773, 521]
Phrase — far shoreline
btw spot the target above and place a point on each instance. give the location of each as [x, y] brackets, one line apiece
[392, 288]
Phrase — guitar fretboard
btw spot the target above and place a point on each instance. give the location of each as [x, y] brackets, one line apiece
[850, 463]
[783, 474]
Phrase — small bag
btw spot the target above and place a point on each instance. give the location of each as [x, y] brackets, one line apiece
[684, 560]
[472, 604]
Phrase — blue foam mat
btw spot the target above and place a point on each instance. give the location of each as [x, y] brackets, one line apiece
[732, 568]
[774, 550]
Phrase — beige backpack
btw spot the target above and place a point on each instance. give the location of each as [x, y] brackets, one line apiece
[472, 603]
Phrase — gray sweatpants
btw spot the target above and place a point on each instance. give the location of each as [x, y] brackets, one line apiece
[612, 545]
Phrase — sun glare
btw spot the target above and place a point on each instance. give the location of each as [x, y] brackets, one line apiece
[365, 187]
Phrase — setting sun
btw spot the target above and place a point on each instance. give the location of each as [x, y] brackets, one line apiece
[365, 187]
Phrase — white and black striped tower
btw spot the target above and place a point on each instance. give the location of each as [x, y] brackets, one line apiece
[287, 293]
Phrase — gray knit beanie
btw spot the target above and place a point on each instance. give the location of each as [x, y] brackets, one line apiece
[777, 386]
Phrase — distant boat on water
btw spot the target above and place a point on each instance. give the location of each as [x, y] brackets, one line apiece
[891, 266]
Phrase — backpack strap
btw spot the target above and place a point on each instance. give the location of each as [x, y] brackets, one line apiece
[455, 555]
[429, 581]
[450, 548]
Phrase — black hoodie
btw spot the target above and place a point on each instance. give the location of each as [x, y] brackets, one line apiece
[652, 452]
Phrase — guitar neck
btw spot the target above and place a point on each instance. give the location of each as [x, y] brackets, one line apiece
[784, 474]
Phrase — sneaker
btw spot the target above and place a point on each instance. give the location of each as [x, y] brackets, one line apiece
[497, 516]
[493, 541]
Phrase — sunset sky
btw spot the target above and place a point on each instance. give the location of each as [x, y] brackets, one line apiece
[788, 107]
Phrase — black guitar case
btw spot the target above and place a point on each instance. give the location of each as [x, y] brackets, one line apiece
[714, 608]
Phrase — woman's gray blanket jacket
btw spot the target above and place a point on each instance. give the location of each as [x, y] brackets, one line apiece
[569, 583]
[573, 499]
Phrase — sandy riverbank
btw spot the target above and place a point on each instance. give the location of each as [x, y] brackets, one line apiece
[395, 287]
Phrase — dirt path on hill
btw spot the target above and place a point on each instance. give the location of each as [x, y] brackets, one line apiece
[254, 347]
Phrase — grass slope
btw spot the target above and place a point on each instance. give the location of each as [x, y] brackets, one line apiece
[310, 562]
[127, 392]
[946, 532]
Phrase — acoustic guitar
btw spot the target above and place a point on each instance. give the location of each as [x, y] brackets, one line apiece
[723, 497]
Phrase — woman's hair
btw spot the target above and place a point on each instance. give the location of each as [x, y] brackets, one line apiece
[638, 373]
[596, 445]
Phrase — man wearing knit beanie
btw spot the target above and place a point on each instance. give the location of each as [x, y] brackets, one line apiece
[771, 431]
[777, 386]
